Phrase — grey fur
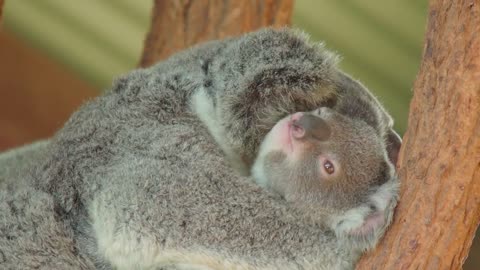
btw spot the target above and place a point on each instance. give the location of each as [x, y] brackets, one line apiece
[134, 180]
[15, 163]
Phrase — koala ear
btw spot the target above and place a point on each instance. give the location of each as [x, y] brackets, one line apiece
[364, 224]
[361, 223]
[371, 222]
[394, 142]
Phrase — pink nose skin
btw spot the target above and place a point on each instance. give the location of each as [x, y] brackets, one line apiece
[297, 131]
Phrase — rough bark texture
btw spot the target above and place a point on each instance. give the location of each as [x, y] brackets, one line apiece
[183, 23]
[439, 208]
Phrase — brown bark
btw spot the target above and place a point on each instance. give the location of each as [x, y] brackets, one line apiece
[1, 9]
[183, 23]
[439, 163]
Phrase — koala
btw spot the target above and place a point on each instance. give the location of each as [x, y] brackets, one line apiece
[138, 178]
[324, 163]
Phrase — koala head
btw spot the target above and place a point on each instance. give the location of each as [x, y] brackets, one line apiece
[334, 168]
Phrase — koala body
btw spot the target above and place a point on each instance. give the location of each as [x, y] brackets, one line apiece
[135, 179]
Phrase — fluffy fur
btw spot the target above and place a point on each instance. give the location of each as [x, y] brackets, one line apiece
[134, 180]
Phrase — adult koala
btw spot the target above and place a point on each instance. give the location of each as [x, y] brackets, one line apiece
[135, 180]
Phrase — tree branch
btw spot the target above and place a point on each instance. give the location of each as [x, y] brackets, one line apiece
[439, 163]
[1, 9]
[177, 25]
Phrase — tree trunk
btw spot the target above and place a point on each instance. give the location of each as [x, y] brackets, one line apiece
[177, 25]
[1, 9]
[439, 163]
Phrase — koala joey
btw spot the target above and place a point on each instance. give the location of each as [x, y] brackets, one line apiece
[324, 163]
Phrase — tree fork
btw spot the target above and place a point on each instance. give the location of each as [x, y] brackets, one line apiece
[177, 25]
[439, 163]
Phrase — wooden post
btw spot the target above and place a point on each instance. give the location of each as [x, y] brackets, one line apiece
[439, 163]
[178, 24]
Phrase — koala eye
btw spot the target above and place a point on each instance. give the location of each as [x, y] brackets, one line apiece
[328, 166]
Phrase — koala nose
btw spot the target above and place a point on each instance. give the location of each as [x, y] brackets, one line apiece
[307, 125]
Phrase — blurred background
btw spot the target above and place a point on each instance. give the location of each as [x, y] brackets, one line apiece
[55, 54]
